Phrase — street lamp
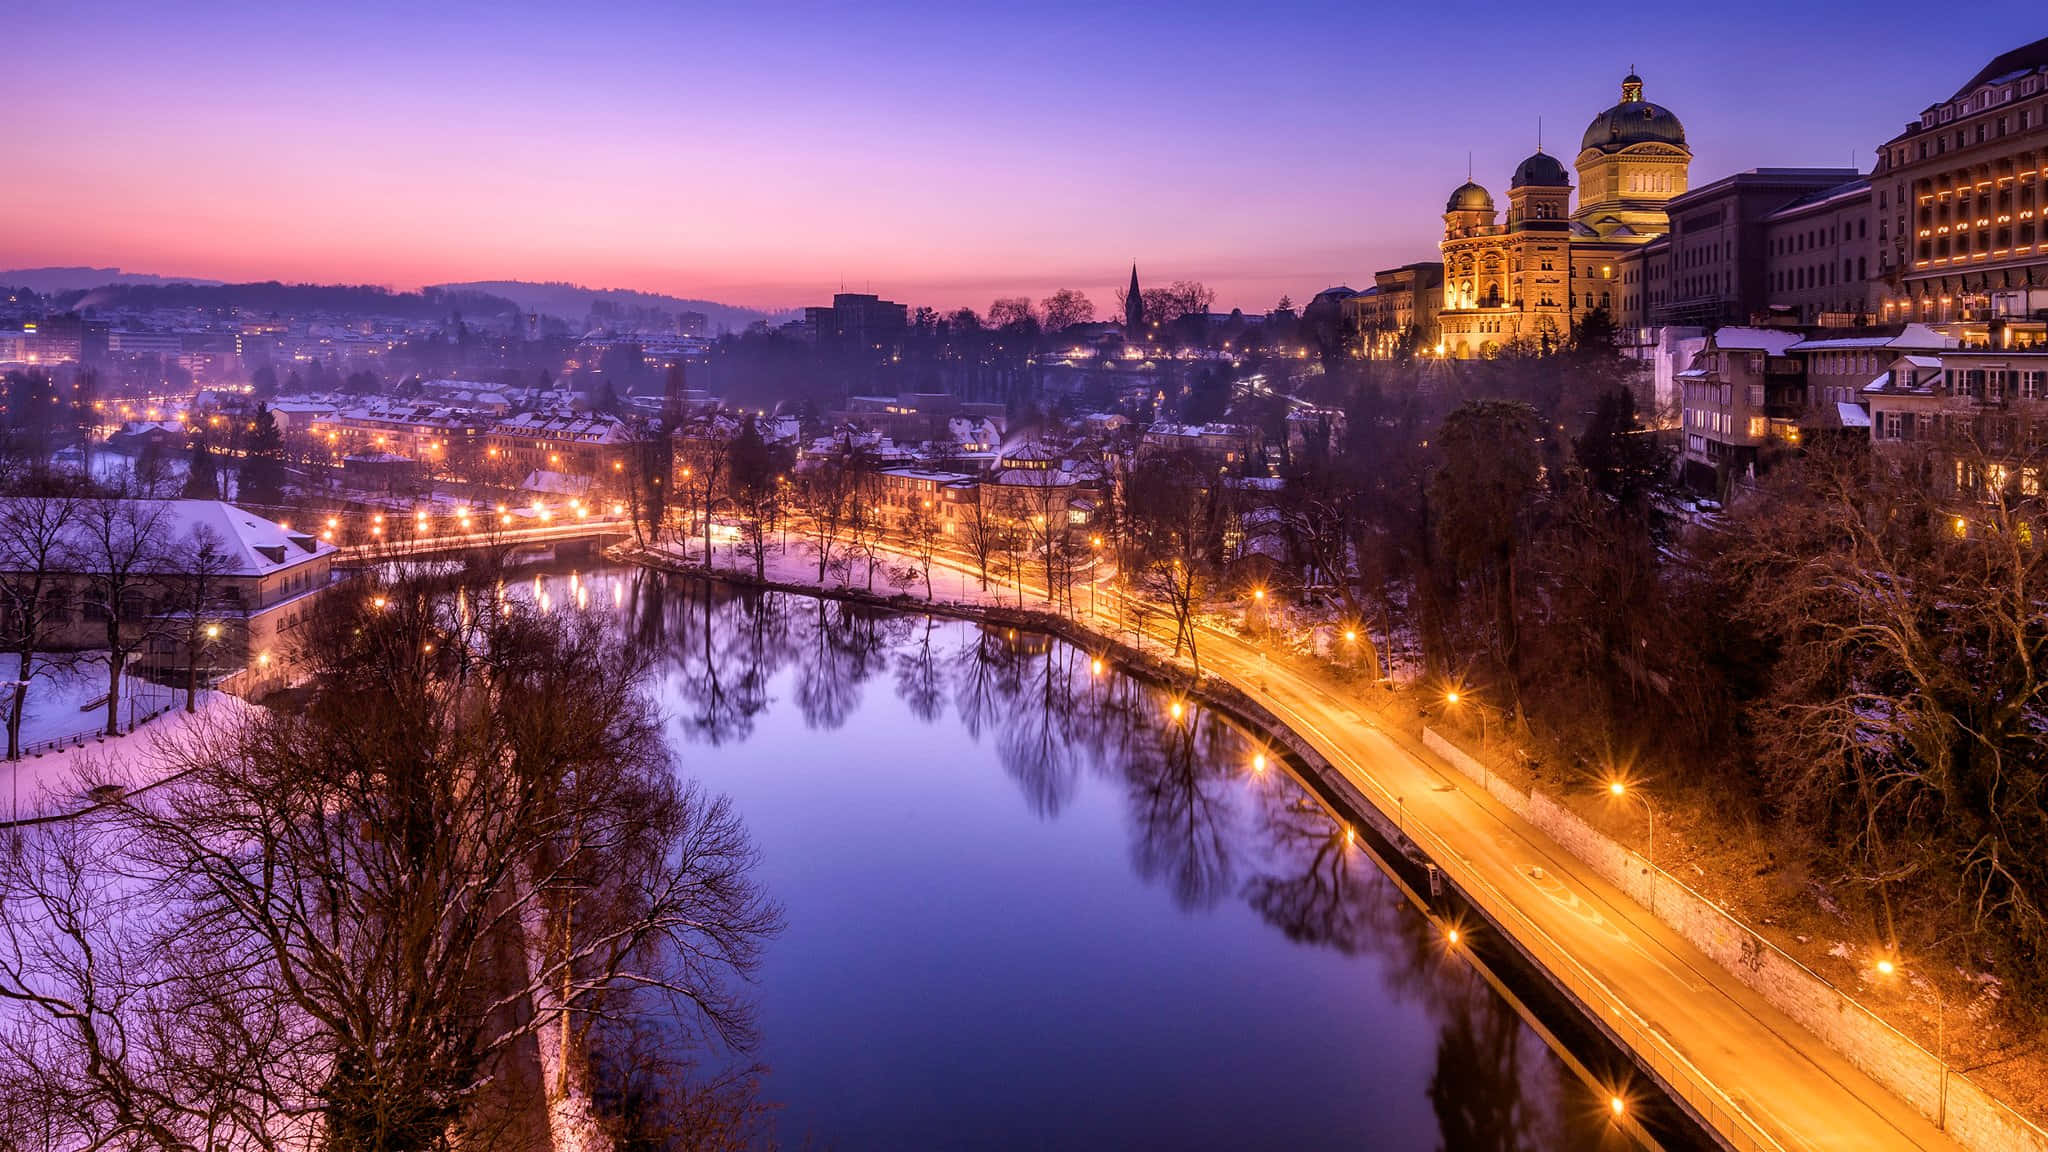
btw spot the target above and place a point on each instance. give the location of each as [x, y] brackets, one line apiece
[1453, 697]
[1621, 788]
[1887, 968]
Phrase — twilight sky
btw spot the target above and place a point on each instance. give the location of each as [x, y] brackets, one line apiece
[944, 154]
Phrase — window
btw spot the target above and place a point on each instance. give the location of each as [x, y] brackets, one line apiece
[2030, 385]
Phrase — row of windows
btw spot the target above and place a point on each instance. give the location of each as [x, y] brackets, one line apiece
[1819, 275]
[1793, 242]
[1993, 385]
[2023, 120]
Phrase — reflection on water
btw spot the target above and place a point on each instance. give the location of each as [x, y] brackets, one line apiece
[1168, 943]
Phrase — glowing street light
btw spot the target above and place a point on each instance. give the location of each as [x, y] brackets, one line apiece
[1258, 761]
[1178, 710]
[1620, 788]
[1887, 968]
[1617, 1105]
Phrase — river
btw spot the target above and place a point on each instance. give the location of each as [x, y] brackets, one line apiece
[1028, 906]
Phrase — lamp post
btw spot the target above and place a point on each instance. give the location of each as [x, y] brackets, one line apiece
[1455, 697]
[1621, 788]
[1094, 573]
[1888, 968]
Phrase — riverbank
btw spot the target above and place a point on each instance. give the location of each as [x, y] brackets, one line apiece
[1723, 1046]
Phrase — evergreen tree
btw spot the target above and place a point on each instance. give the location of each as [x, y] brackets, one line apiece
[202, 480]
[262, 475]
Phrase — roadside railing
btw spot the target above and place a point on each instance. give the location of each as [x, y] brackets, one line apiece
[141, 707]
[1701, 1093]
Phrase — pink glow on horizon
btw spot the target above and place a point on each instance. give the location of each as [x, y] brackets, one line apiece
[943, 156]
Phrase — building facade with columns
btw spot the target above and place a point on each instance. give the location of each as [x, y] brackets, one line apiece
[1531, 278]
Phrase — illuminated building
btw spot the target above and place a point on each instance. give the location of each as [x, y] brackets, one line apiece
[1399, 312]
[1962, 199]
[1531, 278]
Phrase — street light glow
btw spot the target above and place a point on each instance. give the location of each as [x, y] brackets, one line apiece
[1451, 697]
[1616, 1105]
[1618, 788]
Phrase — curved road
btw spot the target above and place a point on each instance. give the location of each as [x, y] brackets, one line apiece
[1774, 1084]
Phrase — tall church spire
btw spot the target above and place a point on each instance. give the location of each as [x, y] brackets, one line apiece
[1134, 305]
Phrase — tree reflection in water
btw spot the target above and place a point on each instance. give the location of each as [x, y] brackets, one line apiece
[1203, 826]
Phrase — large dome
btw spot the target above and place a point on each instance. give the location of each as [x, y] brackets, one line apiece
[1541, 171]
[1633, 121]
[1469, 197]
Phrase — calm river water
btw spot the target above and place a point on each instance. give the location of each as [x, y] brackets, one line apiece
[1028, 909]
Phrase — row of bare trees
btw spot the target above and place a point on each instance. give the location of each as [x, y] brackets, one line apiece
[399, 914]
[120, 573]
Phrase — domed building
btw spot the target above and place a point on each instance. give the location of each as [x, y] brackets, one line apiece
[1533, 276]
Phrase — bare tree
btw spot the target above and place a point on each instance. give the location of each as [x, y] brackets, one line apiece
[1171, 537]
[123, 548]
[37, 535]
[350, 924]
[1066, 308]
[198, 567]
[921, 530]
[984, 533]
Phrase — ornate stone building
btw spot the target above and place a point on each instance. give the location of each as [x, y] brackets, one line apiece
[1531, 278]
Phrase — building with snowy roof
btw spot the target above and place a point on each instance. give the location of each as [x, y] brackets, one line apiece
[253, 580]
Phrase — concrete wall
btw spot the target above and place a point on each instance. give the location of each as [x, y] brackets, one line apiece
[1974, 1118]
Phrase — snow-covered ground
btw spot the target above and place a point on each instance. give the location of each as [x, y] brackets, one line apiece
[61, 687]
[58, 692]
[58, 781]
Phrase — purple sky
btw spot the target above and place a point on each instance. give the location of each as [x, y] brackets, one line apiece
[941, 154]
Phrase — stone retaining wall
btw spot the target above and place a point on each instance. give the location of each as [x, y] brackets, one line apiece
[1977, 1121]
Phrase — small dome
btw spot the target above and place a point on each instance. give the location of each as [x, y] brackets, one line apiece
[1469, 197]
[1541, 171]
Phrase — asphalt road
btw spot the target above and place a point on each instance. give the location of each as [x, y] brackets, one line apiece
[1755, 1073]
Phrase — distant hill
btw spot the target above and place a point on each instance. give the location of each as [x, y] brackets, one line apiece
[571, 302]
[50, 281]
[429, 304]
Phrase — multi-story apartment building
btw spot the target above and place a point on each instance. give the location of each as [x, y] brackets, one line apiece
[1974, 420]
[261, 586]
[856, 319]
[1820, 258]
[545, 442]
[1399, 311]
[1962, 198]
[426, 433]
[1712, 267]
[1743, 391]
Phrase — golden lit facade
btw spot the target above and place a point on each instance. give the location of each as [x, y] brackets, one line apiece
[1531, 278]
